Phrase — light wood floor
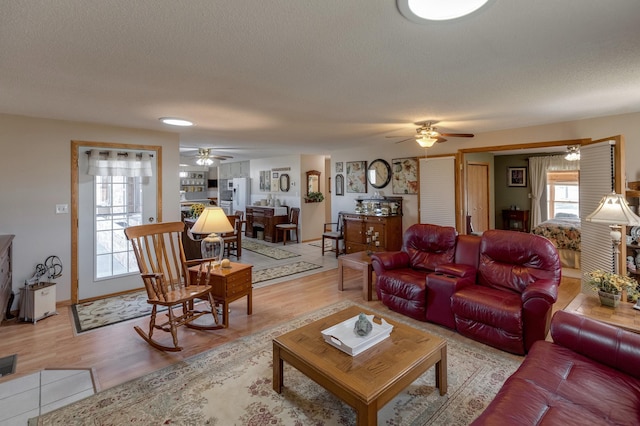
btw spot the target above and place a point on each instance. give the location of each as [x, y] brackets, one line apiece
[117, 354]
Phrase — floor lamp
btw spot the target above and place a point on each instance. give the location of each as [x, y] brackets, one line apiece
[212, 220]
[614, 211]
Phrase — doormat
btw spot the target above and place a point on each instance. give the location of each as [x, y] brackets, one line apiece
[265, 250]
[111, 310]
[282, 271]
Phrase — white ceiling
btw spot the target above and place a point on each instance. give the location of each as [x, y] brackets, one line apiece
[265, 77]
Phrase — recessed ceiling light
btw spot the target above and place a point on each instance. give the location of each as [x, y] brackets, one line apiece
[175, 121]
[437, 10]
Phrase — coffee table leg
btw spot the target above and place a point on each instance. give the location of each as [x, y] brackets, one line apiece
[441, 372]
[367, 415]
[340, 277]
[277, 369]
[367, 290]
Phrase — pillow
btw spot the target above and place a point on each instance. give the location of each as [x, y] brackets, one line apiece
[566, 215]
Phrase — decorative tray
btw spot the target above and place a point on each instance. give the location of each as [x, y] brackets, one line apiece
[344, 338]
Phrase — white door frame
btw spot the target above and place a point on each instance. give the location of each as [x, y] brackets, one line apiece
[75, 145]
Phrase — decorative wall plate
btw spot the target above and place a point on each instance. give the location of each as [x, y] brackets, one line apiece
[635, 234]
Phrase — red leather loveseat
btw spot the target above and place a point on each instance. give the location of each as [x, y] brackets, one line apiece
[589, 375]
[498, 289]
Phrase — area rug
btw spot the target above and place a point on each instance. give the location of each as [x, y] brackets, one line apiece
[112, 310]
[282, 271]
[265, 250]
[232, 385]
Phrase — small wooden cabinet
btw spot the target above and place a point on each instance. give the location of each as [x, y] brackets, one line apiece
[356, 225]
[265, 218]
[6, 268]
[515, 220]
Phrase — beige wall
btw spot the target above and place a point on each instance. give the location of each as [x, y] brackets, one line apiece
[35, 176]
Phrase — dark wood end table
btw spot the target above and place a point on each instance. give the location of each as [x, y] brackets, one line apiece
[360, 261]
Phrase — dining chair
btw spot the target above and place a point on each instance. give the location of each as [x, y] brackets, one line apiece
[292, 225]
[333, 231]
[163, 269]
[233, 240]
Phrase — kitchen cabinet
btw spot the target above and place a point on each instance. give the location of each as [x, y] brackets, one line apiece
[356, 226]
[6, 271]
[515, 220]
[265, 219]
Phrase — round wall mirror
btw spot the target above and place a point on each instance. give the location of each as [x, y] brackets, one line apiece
[284, 182]
[313, 181]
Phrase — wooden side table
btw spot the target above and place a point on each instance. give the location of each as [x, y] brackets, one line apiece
[230, 284]
[360, 261]
[624, 316]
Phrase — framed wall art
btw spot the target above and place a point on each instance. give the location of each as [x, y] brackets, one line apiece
[357, 176]
[404, 178]
[339, 167]
[265, 181]
[516, 176]
[339, 184]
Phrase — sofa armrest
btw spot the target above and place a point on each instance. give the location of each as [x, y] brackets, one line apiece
[457, 270]
[604, 343]
[384, 261]
[544, 289]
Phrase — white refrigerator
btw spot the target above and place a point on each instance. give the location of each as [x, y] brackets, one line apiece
[241, 195]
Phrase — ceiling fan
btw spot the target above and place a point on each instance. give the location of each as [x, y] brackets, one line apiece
[205, 157]
[427, 135]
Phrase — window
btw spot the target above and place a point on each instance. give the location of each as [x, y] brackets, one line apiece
[118, 205]
[563, 193]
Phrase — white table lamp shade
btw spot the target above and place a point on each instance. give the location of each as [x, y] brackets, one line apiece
[212, 220]
[614, 210]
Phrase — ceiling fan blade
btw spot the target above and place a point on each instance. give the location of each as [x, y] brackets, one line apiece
[458, 135]
[408, 139]
[396, 137]
[441, 140]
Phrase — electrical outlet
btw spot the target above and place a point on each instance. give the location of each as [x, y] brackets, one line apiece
[62, 208]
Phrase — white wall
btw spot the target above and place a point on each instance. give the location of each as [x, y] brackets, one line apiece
[291, 198]
[35, 175]
[627, 125]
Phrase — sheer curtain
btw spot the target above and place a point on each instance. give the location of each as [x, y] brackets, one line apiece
[538, 168]
[113, 163]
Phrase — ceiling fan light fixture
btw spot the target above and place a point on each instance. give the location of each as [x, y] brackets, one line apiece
[426, 142]
[173, 121]
[573, 153]
[437, 10]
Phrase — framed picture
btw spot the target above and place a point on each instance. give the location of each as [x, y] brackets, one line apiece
[339, 167]
[404, 178]
[516, 176]
[339, 184]
[357, 176]
[265, 181]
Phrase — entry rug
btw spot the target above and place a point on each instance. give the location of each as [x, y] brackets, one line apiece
[282, 271]
[232, 385]
[265, 250]
[112, 310]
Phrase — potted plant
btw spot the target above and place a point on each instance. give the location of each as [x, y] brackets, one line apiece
[314, 197]
[610, 286]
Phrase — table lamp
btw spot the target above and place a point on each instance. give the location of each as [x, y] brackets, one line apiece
[212, 221]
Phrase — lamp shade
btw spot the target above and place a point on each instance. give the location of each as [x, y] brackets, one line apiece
[212, 219]
[426, 142]
[614, 210]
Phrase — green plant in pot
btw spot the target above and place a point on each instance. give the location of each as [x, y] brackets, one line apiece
[314, 197]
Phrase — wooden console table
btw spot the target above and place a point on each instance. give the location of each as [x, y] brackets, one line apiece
[230, 284]
[515, 220]
[624, 316]
[267, 219]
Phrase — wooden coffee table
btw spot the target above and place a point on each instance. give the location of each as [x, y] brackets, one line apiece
[370, 379]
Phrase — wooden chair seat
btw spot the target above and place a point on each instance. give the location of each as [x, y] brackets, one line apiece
[164, 272]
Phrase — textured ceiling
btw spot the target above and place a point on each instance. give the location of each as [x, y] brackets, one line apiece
[314, 76]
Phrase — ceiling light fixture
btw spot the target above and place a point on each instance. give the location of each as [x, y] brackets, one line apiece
[573, 153]
[426, 142]
[437, 10]
[176, 121]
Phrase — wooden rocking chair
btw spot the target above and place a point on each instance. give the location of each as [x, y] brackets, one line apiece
[164, 271]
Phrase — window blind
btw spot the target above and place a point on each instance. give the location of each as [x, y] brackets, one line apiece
[438, 191]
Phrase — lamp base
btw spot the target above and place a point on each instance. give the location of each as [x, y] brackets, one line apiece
[211, 247]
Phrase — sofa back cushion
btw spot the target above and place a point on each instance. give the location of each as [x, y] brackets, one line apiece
[429, 245]
[512, 260]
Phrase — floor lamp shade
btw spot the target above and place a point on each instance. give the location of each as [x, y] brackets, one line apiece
[212, 220]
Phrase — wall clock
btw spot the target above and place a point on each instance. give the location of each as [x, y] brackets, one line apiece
[379, 173]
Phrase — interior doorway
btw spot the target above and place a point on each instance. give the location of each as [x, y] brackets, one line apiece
[478, 201]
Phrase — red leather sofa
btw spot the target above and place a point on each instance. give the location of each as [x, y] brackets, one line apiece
[498, 289]
[589, 375]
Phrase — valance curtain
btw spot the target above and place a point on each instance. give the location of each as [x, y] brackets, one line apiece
[538, 168]
[113, 163]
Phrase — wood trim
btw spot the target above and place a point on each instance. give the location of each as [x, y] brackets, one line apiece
[528, 145]
[75, 146]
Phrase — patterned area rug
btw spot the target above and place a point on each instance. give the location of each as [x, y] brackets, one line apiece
[232, 385]
[282, 271]
[112, 310]
[265, 250]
